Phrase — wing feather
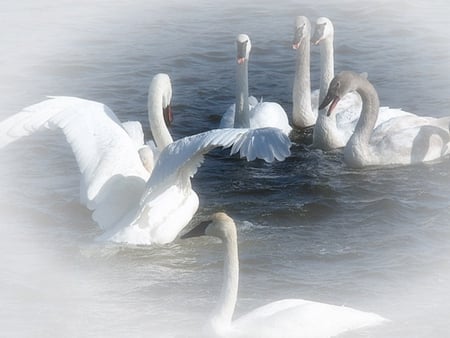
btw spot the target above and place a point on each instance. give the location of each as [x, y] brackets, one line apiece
[180, 160]
[101, 146]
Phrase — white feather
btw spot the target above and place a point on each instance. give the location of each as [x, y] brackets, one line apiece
[131, 204]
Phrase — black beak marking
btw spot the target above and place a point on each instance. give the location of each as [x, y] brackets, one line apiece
[197, 231]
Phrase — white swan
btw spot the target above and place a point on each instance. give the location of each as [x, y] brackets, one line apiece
[401, 140]
[284, 318]
[129, 203]
[250, 113]
[303, 114]
[305, 102]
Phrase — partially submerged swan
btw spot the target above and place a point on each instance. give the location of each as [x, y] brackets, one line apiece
[247, 112]
[401, 140]
[284, 318]
[304, 101]
[326, 134]
[131, 203]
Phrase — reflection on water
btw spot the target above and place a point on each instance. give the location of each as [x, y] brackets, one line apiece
[374, 239]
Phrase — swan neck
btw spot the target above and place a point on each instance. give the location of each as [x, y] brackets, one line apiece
[326, 66]
[302, 114]
[223, 313]
[241, 116]
[160, 132]
[369, 113]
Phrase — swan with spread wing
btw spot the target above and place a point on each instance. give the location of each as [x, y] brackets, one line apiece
[138, 193]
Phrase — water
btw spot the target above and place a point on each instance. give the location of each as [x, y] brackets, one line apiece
[373, 239]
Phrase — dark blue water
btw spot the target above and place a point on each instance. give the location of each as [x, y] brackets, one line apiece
[309, 227]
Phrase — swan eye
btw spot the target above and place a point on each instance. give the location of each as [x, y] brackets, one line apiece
[298, 34]
[242, 49]
[320, 29]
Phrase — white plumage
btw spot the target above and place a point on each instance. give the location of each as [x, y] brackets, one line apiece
[284, 318]
[405, 139]
[131, 203]
[249, 112]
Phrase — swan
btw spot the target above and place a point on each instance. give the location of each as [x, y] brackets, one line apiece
[250, 113]
[130, 203]
[284, 318]
[305, 102]
[332, 132]
[326, 133]
[400, 140]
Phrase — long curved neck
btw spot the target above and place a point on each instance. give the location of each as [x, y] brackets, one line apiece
[302, 114]
[369, 113]
[225, 307]
[158, 126]
[241, 115]
[326, 66]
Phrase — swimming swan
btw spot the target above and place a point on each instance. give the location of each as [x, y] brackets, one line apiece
[284, 318]
[250, 113]
[398, 141]
[305, 102]
[129, 203]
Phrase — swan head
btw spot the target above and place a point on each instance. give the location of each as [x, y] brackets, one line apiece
[163, 87]
[342, 84]
[302, 31]
[218, 225]
[323, 30]
[243, 45]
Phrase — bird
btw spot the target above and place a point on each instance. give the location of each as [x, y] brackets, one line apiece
[248, 112]
[303, 100]
[131, 203]
[283, 318]
[402, 140]
[305, 115]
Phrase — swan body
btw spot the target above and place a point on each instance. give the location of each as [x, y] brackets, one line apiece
[284, 318]
[247, 112]
[130, 202]
[402, 140]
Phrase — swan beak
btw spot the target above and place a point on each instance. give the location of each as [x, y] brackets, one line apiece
[295, 46]
[240, 61]
[197, 231]
[315, 42]
[327, 100]
[168, 115]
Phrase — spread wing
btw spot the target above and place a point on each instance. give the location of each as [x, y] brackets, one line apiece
[105, 153]
[181, 159]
